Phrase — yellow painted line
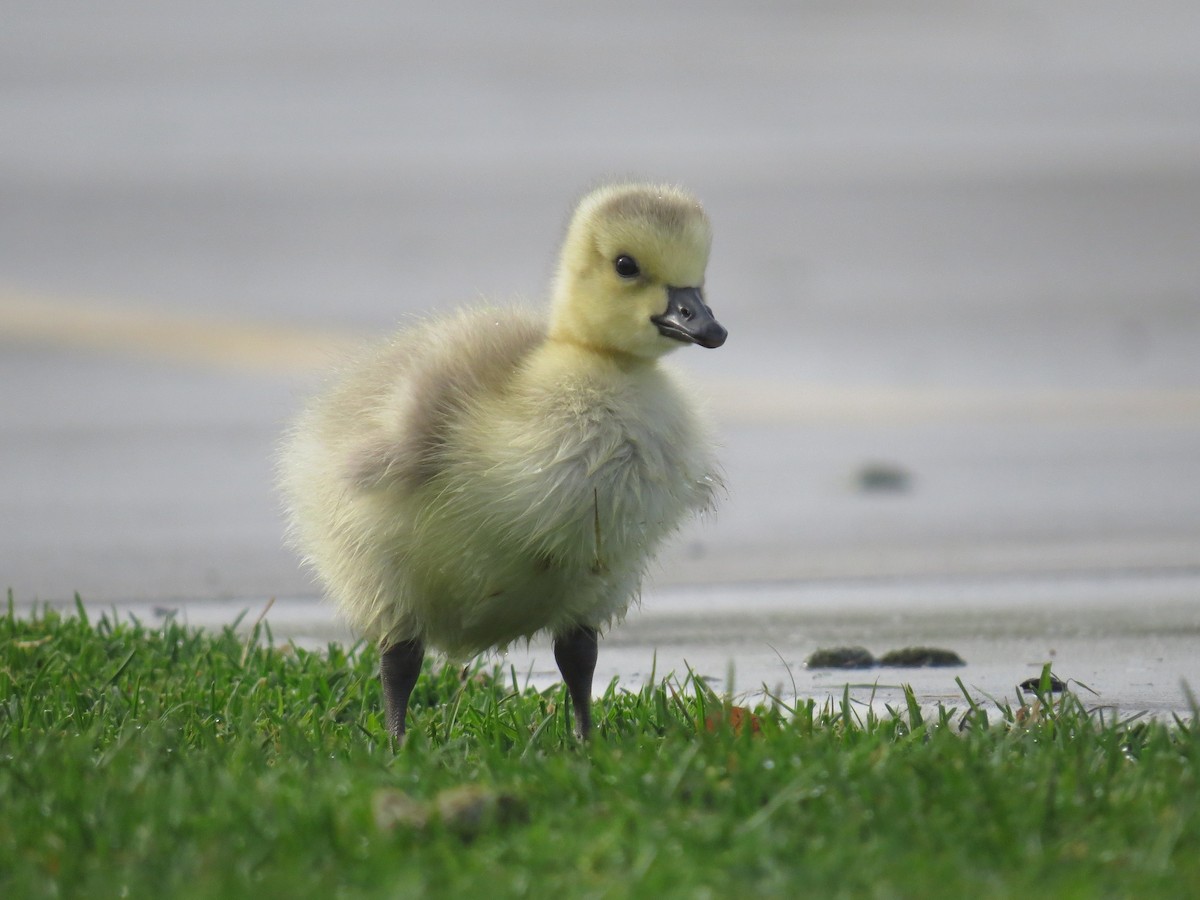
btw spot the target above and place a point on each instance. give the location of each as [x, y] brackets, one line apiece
[211, 341]
[225, 343]
[756, 401]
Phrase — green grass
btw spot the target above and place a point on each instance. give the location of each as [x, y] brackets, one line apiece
[166, 762]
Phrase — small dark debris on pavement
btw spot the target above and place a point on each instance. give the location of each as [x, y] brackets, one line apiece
[862, 658]
[880, 477]
[841, 658]
[920, 657]
[1057, 686]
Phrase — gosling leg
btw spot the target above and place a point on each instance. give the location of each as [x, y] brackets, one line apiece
[575, 652]
[398, 670]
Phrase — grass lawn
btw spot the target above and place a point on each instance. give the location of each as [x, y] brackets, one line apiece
[166, 762]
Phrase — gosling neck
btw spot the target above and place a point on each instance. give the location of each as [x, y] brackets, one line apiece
[564, 339]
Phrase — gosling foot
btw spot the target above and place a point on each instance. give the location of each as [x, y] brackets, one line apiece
[398, 670]
[575, 652]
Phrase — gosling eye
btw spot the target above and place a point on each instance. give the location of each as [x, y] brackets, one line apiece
[626, 266]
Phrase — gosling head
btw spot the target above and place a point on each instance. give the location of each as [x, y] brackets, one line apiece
[631, 275]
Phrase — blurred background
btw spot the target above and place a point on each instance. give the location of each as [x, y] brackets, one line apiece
[957, 251]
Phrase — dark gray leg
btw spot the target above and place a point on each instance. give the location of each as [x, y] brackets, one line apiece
[575, 652]
[398, 670]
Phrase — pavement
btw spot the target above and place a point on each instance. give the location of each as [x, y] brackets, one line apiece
[955, 250]
[1123, 642]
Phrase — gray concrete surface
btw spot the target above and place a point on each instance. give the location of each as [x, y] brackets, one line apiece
[956, 240]
[1125, 642]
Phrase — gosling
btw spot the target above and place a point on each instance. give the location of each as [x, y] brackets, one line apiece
[488, 475]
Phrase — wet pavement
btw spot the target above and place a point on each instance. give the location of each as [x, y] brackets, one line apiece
[1125, 641]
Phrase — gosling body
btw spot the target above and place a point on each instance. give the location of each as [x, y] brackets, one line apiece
[489, 475]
